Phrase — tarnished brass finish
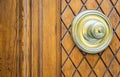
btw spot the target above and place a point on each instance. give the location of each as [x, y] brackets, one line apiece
[91, 31]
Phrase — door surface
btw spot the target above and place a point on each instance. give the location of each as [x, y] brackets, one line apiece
[8, 38]
[35, 39]
[75, 63]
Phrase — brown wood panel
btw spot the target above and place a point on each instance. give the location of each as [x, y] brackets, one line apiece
[39, 38]
[51, 38]
[76, 63]
[24, 39]
[8, 38]
[35, 38]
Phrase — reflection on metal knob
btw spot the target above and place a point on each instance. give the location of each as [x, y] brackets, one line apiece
[98, 30]
[91, 31]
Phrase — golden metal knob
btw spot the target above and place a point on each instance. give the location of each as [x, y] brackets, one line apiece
[91, 31]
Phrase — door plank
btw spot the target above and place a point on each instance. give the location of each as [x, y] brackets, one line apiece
[51, 34]
[39, 38]
[8, 38]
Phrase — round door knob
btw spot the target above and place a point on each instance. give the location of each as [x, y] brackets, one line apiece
[91, 31]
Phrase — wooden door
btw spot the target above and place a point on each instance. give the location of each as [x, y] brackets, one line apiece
[35, 39]
[75, 63]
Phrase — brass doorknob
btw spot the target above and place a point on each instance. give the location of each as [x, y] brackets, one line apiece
[91, 31]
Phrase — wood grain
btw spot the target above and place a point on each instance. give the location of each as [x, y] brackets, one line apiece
[51, 38]
[8, 38]
[39, 38]
[34, 44]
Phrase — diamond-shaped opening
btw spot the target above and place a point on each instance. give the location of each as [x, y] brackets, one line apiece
[70, 30]
[118, 31]
[92, 59]
[115, 44]
[68, 43]
[76, 5]
[76, 74]
[107, 74]
[106, 6]
[99, 1]
[68, 68]
[68, 1]
[118, 6]
[91, 4]
[84, 68]
[64, 56]
[83, 1]
[99, 9]
[83, 8]
[64, 30]
[100, 68]
[107, 56]
[118, 55]
[114, 18]
[114, 68]
[76, 56]
[63, 75]
[63, 5]
[67, 17]
[114, 1]
[92, 74]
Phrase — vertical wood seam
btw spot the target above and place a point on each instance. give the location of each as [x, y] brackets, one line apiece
[40, 38]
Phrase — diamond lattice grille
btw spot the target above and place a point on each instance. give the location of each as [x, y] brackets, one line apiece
[76, 63]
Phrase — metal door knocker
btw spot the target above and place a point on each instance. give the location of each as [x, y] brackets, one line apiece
[91, 31]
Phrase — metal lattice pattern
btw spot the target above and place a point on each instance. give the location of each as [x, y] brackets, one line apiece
[79, 64]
